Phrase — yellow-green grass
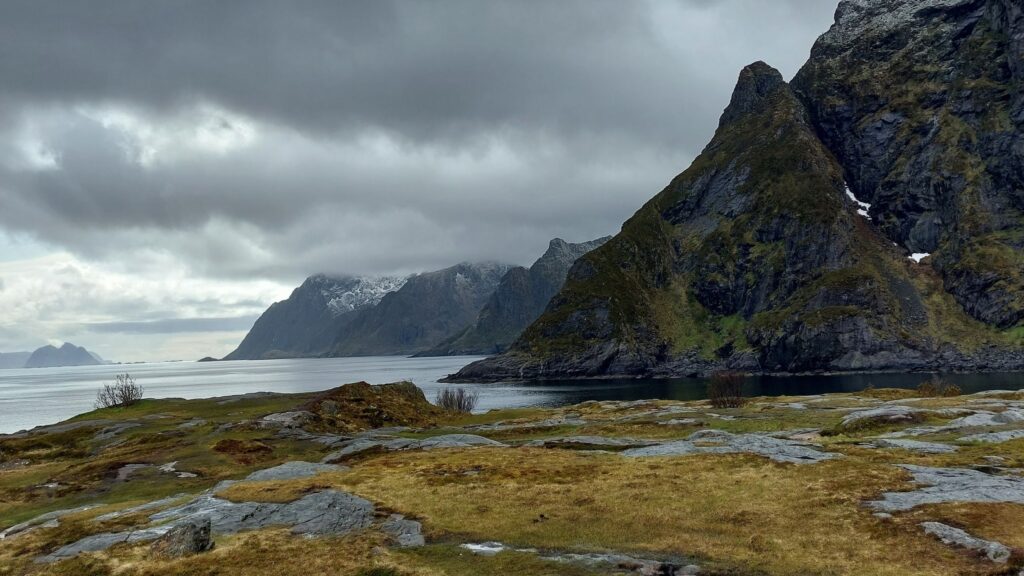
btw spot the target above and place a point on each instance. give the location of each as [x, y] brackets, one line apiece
[734, 512]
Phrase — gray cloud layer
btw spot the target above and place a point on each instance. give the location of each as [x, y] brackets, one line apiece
[271, 140]
[444, 130]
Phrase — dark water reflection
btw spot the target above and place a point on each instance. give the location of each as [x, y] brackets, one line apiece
[561, 392]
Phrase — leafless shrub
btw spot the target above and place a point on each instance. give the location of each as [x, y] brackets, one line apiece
[123, 392]
[938, 388]
[457, 400]
[725, 390]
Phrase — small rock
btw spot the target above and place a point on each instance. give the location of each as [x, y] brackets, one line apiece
[408, 533]
[124, 473]
[294, 419]
[185, 539]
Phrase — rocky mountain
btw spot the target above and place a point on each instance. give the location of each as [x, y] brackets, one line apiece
[797, 240]
[13, 359]
[922, 103]
[309, 321]
[518, 300]
[66, 355]
[428, 309]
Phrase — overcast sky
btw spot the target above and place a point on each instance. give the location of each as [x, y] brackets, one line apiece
[170, 168]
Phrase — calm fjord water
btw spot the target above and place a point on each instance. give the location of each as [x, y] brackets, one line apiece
[43, 396]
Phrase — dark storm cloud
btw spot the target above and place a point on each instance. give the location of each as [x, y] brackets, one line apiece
[277, 139]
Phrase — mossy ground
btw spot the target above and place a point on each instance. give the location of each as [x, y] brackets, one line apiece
[732, 514]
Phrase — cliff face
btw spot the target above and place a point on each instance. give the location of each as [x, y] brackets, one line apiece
[519, 299]
[922, 103]
[756, 257]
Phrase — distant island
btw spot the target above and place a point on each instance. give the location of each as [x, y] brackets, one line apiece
[67, 355]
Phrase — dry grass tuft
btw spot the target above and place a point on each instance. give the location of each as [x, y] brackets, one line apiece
[725, 390]
[938, 388]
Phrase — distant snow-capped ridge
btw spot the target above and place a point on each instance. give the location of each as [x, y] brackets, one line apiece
[343, 295]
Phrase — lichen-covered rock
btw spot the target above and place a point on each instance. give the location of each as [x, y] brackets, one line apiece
[291, 471]
[993, 437]
[185, 539]
[329, 512]
[994, 551]
[50, 519]
[952, 485]
[720, 442]
[590, 443]
[293, 419]
[362, 446]
[408, 533]
[883, 415]
[916, 446]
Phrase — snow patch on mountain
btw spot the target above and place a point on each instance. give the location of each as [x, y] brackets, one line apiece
[347, 294]
[862, 207]
[918, 256]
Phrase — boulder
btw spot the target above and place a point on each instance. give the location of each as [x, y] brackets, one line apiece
[185, 539]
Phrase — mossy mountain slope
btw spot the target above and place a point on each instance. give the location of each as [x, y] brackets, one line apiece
[922, 103]
[753, 258]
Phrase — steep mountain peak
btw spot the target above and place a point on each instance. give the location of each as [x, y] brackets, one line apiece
[565, 253]
[757, 84]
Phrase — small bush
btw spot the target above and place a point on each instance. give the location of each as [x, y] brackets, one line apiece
[457, 400]
[123, 392]
[725, 390]
[938, 388]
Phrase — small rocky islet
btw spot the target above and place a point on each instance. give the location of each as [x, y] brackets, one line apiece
[363, 478]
